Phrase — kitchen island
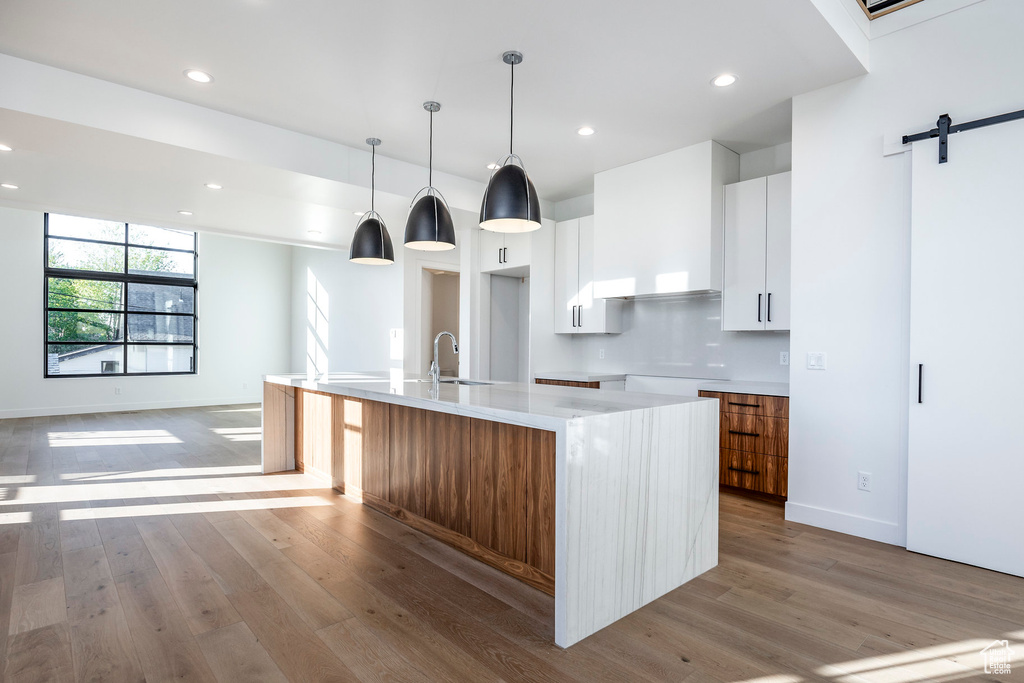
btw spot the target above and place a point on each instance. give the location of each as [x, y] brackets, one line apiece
[606, 499]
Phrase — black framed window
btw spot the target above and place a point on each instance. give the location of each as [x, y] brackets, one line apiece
[119, 298]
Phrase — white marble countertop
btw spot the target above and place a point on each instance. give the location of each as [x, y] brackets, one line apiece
[573, 376]
[532, 405]
[737, 387]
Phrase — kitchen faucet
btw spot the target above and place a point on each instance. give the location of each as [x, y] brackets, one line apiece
[435, 369]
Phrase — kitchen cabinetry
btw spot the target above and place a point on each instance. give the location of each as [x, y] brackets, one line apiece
[503, 251]
[754, 442]
[755, 295]
[577, 310]
[658, 223]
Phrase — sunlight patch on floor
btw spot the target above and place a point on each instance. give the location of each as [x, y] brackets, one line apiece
[947, 662]
[76, 493]
[17, 479]
[15, 517]
[239, 433]
[111, 438]
[171, 472]
[74, 514]
[236, 410]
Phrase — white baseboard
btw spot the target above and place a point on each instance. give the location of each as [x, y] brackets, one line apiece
[844, 523]
[124, 407]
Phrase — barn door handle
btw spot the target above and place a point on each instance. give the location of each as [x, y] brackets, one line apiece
[759, 307]
[920, 378]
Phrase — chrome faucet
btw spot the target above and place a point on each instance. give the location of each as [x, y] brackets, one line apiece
[435, 369]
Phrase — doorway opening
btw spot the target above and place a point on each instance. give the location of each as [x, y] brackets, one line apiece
[440, 313]
[510, 328]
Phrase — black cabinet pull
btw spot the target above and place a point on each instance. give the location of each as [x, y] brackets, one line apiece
[499, 255]
[759, 307]
[579, 316]
[574, 316]
[769, 306]
[731, 431]
[745, 405]
[738, 469]
[920, 377]
[504, 255]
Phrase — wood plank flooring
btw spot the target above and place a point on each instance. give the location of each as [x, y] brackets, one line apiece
[146, 546]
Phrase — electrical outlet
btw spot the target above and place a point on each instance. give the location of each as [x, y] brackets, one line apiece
[783, 357]
[117, 391]
[245, 385]
[600, 354]
[864, 481]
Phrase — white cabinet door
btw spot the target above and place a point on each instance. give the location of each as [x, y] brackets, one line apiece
[566, 276]
[501, 251]
[491, 251]
[516, 249]
[777, 258]
[743, 295]
[964, 465]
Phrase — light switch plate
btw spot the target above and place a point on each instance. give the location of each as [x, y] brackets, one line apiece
[816, 360]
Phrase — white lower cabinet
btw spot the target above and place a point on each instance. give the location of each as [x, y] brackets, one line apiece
[577, 311]
[502, 251]
[755, 292]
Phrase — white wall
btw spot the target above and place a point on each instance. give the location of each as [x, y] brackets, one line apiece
[851, 254]
[243, 309]
[344, 314]
[767, 161]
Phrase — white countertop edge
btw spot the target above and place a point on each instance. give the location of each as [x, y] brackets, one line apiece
[571, 376]
[738, 387]
[623, 402]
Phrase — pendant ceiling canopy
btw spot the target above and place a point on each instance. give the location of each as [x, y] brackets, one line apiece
[371, 243]
[430, 226]
[510, 201]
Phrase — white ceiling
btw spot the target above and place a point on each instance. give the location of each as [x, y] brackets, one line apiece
[344, 70]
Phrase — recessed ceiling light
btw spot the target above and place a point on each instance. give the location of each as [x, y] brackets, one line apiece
[199, 76]
[723, 80]
[214, 186]
[185, 213]
[493, 167]
[586, 130]
[5, 148]
[8, 186]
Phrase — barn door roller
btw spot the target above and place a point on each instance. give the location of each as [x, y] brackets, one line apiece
[944, 128]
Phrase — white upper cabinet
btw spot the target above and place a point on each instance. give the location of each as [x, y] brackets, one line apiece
[577, 310]
[757, 254]
[658, 223]
[502, 251]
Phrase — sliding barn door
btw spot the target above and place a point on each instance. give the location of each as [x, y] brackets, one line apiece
[965, 488]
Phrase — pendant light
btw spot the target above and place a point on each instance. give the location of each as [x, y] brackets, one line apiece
[430, 226]
[510, 201]
[371, 243]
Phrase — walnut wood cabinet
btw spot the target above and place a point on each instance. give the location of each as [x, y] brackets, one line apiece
[568, 383]
[754, 443]
[486, 488]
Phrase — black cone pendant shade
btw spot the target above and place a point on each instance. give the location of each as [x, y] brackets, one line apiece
[510, 201]
[430, 227]
[371, 243]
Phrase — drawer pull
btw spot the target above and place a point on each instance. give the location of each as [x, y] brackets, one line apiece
[732, 431]
[739, 469]
[745, 405]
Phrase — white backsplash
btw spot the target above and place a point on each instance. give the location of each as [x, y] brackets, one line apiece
[683, 338]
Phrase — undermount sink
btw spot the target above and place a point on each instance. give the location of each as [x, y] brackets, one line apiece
[467, 382]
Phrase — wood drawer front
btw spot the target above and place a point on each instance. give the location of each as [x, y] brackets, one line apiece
[755, 434]
[567, 383]
[750, 404]
[755, 472]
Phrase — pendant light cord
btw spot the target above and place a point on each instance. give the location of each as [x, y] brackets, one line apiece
[430, 153]
[511, 106]
[373, 175]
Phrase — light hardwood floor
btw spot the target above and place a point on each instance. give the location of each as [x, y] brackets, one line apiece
[146, 546]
